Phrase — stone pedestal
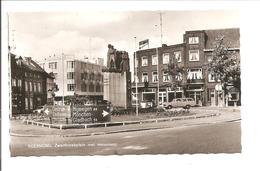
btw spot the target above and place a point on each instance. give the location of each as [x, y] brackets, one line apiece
[117, 88]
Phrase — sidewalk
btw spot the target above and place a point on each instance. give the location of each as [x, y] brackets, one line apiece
[222, 115]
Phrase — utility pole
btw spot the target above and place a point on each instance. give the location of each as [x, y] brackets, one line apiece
[9, 68]
[136, 89]
[157, 53]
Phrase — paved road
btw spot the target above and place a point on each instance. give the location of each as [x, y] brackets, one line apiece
[213, 138]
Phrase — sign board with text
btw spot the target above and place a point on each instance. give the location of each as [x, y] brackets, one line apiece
[58, 111]
[89, 114]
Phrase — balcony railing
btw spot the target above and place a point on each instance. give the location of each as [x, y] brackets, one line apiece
[195, 81]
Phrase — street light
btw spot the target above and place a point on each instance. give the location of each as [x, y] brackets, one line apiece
[62, 60]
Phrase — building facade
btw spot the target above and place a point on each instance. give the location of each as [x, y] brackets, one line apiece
[75, 77]
[29, 85]
[192, 56]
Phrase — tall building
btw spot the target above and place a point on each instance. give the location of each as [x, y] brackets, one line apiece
[192, 55]
[30, 84]
[75, 77]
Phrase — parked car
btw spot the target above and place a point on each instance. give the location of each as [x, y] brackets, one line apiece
[38, 110]
[185, 103]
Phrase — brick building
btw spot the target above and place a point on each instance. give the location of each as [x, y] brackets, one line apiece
[75, 77]
[29, 85]
[192, 55]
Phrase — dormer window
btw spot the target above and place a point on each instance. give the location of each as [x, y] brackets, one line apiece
[193, 40]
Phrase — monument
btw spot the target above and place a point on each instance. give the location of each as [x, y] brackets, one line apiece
[117, 78]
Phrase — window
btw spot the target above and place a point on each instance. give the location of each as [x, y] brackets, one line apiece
[144, 77]
[31, 103]
[20, 83]
[30, 86]
[136, 62]
[178, 77]
[165, 77]
[70, 75]
[26, 103]
[209, 58]
[70, 64]
[70, 87]
[14, 82]
[98, 89]
[166, 58]
[194, 55]
[154, 60]
[177, 56]
[39, 87]
[35, 87]
[211, 77]
[91, 87]
[83, 87]
[53, 65]
[155, 76]
[193, 40]
[194, 74]
[25, 74]
[84, 76]
[26, 85]
[144, 61]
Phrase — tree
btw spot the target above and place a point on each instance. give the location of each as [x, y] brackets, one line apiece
[225, 65]
[176, 72]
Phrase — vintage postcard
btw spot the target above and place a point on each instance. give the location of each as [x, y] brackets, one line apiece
[123, 82]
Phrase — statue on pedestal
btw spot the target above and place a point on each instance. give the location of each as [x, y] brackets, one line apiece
[111, 54]
[124, 65]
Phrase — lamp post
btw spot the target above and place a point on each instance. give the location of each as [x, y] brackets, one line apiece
[62, 61]
[136, 89]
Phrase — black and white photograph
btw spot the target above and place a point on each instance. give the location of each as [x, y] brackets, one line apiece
[78, 86]
[124, 83]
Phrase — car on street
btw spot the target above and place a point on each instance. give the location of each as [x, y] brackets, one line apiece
[185, 103]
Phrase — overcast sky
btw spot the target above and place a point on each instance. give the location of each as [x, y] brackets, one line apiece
[44, 34]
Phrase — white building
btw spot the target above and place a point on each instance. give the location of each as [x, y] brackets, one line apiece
[75, 76]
